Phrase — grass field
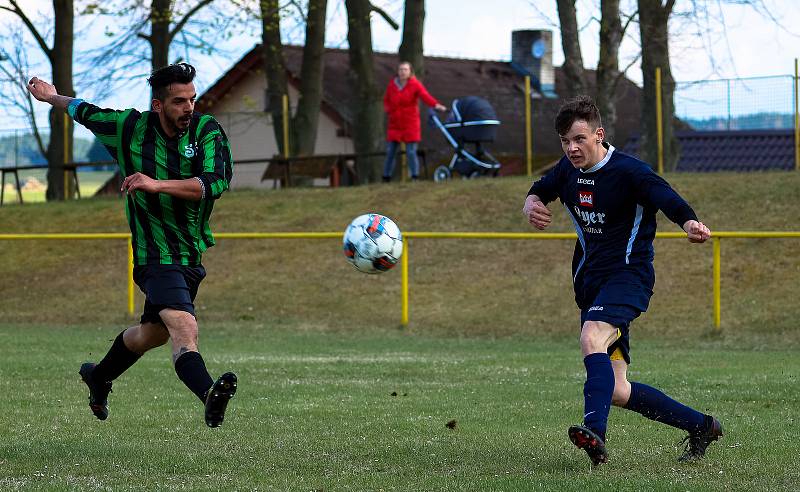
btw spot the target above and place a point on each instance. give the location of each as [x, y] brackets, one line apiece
[367, 411]
[318, 349]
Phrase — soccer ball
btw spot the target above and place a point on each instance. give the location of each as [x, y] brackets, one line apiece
[373, 243]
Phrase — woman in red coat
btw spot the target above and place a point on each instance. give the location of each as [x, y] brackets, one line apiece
[401, 105]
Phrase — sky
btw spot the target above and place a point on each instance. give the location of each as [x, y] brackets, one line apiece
[722, 39]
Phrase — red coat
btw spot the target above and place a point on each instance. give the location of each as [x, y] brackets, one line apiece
[403, 109]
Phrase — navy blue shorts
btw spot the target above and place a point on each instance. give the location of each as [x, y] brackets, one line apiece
[167, 286]
[617, 298]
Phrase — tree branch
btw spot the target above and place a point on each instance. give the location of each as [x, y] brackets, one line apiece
[628, 21]
[622, 72]
[385, 16]
[38, 37]
[186, 17]
[296, 4]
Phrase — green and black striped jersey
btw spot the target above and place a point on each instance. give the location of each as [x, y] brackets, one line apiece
[164, 229]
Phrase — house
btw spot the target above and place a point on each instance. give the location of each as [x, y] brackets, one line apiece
[238, 100]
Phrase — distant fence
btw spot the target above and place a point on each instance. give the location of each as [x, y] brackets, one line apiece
[757, 103]
[15, 150]
[404, 262]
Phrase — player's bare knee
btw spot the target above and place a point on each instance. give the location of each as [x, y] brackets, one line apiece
[180, 324]
[595, 337]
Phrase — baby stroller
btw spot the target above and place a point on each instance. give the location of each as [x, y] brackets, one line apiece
[471, 121]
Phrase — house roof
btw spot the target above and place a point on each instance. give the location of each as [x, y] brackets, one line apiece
[446, 79]
[738, 150]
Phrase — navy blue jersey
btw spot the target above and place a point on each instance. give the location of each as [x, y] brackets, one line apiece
[613, 206]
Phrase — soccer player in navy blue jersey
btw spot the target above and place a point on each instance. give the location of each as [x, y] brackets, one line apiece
[612, 199]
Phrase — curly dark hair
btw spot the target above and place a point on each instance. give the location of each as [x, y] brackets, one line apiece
[578, 108]
[181, 73]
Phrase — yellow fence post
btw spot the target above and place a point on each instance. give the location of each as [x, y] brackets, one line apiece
[717, 286]
[404, 284]
[285, 126]
[130, 278]
[528, 136]
[659, 123]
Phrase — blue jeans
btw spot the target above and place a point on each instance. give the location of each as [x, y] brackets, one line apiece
[411, 157]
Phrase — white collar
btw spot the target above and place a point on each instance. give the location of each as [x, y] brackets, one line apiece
[602, 163]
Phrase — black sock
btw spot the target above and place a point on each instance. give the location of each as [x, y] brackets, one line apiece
[192, 371]
[118, 359]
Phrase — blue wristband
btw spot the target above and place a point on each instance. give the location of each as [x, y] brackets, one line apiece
[73, 106]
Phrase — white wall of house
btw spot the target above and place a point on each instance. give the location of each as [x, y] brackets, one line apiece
[249, 129]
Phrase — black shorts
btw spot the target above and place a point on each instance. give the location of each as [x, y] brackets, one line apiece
[617, 299]
[167, 286]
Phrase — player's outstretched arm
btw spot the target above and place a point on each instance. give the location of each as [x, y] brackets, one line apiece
[46, 92]
[696, 232]
[537, 213]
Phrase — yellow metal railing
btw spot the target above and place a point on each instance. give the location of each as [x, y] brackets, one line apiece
[404, 299]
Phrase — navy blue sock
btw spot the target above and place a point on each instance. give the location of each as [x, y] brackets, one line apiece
[192, 371]
[657, 406]
[597, 392]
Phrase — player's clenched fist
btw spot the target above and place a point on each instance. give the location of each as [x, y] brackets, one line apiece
[536, 212]
[696, 232]
[139, 181]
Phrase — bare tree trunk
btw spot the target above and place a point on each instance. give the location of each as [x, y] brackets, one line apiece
[306, 117]
[608, 65]
[413, 27]
[60, 125]
[573, 60]
[367, 105]
[274, 65]
[160, 19]
[653, 19]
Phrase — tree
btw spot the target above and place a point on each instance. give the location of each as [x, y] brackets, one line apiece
[367, 104]
[573, 59]
[274, 65]
[608, 73]
[60, 58]
[169, 23]
[411, 45]
[653, 19]
[303, 126]
[306, 118]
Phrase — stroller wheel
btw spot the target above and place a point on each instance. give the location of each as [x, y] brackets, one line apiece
[475, 175]
[442, 173]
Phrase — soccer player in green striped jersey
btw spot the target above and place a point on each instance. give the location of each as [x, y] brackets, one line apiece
[175, 164]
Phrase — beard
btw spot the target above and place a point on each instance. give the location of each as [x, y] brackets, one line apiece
[180, 123]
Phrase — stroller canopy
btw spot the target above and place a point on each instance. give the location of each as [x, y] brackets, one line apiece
[470, 111]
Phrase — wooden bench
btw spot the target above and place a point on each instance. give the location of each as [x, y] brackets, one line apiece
[339, 169]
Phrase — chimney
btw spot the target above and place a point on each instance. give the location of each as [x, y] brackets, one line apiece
[532, 54]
